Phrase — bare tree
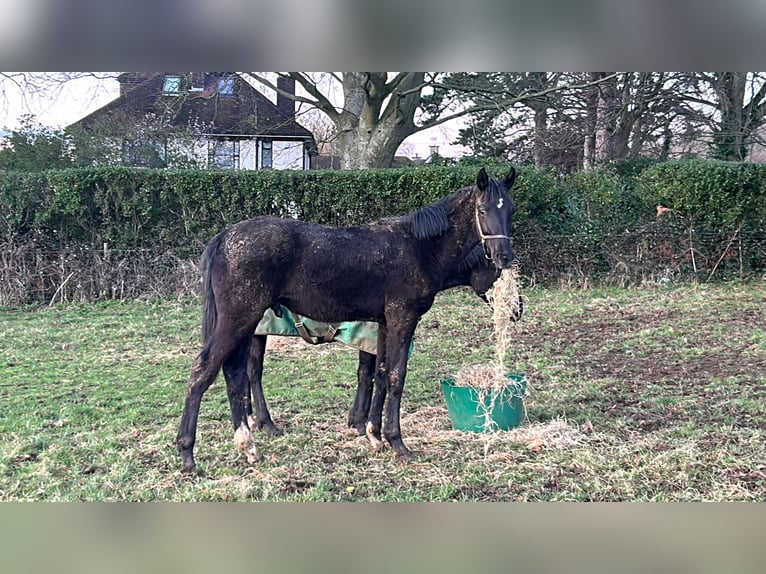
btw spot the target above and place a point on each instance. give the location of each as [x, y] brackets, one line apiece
[732, 105]
[37, 92]
[580, 119]
[374, 112]
[324, 131]
[628, 111]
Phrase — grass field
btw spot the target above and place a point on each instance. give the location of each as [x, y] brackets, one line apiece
[642, 394]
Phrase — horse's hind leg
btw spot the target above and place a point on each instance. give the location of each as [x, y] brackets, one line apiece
[237, 388]
[203, 375]
[261, 418]
[357, 416]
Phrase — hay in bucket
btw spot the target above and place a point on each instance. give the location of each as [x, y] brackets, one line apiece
[490, 381]
[503, 298]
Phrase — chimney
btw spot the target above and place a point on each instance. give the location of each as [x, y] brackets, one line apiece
[286, 105]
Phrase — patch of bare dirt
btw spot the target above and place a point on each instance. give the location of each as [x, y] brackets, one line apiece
[676, 345]
[285, 344]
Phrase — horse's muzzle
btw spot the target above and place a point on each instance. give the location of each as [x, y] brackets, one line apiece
[504, 257]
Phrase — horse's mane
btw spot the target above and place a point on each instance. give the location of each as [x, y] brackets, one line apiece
[431, 220]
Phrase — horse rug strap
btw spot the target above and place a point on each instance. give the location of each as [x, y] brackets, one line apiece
[360, 335]
[316, 339]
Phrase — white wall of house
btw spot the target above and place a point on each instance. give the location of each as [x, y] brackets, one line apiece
[286, 154]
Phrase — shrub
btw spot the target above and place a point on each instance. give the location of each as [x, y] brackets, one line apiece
[715, 194]
[590, 225]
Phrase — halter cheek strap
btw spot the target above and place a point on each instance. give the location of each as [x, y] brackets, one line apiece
[485, 237]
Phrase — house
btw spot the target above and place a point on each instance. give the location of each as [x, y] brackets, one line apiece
[217, 120]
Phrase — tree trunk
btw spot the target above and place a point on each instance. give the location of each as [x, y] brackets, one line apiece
[730, 141]
[606, 122]
[377, 116]
[540, 137]
[591, 117]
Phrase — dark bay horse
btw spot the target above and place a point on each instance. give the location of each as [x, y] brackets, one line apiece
[475, 271]
[387, 272]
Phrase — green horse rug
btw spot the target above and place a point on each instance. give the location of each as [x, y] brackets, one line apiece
[362, 335]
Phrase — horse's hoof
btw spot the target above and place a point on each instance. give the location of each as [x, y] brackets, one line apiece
[253, 455]
[405, 456]
[187, 462]
[266, 426]
[401, 451]
[376, 443]
[374, 438]
[273, 430]
[243, 442]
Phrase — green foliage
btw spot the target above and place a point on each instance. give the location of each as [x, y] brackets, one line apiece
[35, 148]
[605, 200]
[182, 209]
[716, 194]
[588, 225]
[630, 168]
[129, 207]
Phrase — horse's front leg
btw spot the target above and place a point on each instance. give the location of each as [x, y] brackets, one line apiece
[378, 390]
[235, 371]
[261, 418]
[357, 416]
[397, 344]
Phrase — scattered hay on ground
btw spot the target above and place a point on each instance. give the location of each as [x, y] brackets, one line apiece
[431, 425]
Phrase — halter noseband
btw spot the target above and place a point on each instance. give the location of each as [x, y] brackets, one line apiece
[485, 237]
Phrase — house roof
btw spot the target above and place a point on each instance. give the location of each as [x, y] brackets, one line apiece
[199, 102]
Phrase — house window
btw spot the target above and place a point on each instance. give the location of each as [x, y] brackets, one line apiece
[226, 86]
[172, 86]
[266, 155]
[223, 154]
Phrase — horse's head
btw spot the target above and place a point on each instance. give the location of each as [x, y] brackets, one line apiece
[494, 209]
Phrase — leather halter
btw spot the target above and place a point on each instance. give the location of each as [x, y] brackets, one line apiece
[485, 237]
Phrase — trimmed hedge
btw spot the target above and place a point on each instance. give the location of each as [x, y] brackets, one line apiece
[716, 194]
[182, 210]
[600, 224]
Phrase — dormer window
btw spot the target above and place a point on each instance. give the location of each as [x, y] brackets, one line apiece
[226, 86]
[172, 86]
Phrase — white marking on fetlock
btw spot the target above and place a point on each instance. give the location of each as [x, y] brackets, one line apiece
[251, 422]
[376, 443]
[243, 442]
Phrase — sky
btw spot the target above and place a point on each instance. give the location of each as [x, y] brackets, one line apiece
[78, 98]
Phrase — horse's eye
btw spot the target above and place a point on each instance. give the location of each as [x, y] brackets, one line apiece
[482, 212]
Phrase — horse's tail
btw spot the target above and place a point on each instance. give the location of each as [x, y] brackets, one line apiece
[209, 311]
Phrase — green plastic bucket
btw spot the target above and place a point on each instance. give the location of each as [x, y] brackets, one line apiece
[478, 411]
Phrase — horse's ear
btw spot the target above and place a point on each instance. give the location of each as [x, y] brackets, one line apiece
[482, 180]
[510, 178]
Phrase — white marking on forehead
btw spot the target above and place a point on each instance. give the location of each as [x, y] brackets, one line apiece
[500, 203]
